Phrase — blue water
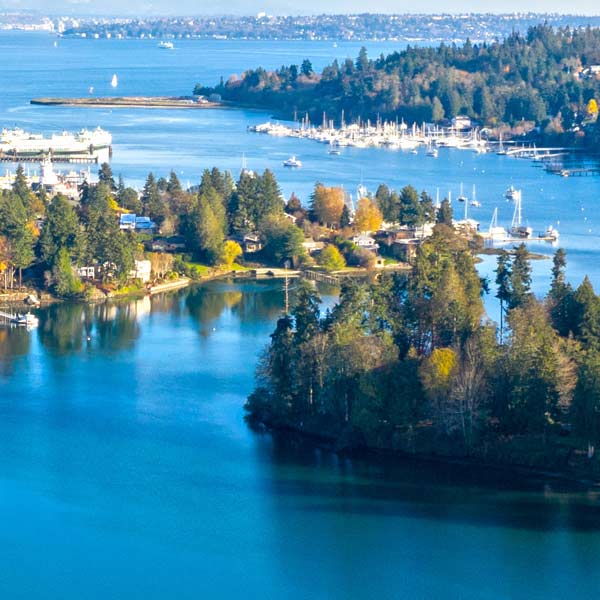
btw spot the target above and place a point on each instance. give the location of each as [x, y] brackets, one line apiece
[190, 141]
[126, 468]
[127, 471]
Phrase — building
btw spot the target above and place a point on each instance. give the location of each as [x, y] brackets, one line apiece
[131, 222]
[252, 243]
[365, 241]
[142, 271]
[311, 246]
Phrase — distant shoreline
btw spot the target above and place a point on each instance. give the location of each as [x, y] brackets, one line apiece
[131, 102]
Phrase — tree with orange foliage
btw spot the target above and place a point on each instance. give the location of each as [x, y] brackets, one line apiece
[368, 217]
[327, 205]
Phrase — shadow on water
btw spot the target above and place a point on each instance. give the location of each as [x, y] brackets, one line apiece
[320, 481]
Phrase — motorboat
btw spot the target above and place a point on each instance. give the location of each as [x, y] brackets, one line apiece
[166, 45]
[292, 162]
[512, 194]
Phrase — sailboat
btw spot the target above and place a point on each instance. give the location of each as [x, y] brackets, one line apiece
[474, 201]
[517, 228]
[114, 82]
[496, 233]
[462, 197]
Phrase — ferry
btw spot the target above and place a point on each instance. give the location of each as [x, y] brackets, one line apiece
[292, 162]
[20, 142]
[166, 45]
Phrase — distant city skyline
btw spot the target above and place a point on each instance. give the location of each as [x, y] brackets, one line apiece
[144, 8]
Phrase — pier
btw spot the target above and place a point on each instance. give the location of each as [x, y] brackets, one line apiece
[321, 277]
[76, 159]
[573, 172]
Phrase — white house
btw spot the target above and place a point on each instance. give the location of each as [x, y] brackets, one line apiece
[141, 270]
[365, 241]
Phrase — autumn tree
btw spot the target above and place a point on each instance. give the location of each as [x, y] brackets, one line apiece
[231, 251]
[327, 204]
[367, 217]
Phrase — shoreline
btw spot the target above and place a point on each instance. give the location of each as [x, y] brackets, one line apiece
[331, 443]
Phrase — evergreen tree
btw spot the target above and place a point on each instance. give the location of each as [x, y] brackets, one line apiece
[152, 202]
[444, 214]
[520, 277]
[105, 176]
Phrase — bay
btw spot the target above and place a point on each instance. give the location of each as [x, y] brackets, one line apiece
[189, 141]
[126, 467]
[127, 471]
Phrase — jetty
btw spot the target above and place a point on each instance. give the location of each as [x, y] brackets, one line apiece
[131, 102]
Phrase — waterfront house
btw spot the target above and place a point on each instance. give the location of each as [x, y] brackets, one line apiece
[311, 246]
[142, 271]
[405, 250]
[86, 272]
[365, 241]
[252, 243]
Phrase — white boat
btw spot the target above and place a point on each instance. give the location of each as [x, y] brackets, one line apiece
[25, 320]
[474, 201]
[166, 45]
[551, 233]
[462, 197]
[512, 194]
[432, 152]
[335, 151]
[517, 229]
[114, 82]
[495, 232]
[292, 162]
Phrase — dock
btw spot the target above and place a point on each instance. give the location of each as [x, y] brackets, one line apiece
[572, 172]
[321, 277]
[75, 159]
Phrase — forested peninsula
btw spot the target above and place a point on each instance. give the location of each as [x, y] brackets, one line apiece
[410, 365]
[546, 81]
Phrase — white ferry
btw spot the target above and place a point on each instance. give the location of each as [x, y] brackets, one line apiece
[20, 142]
